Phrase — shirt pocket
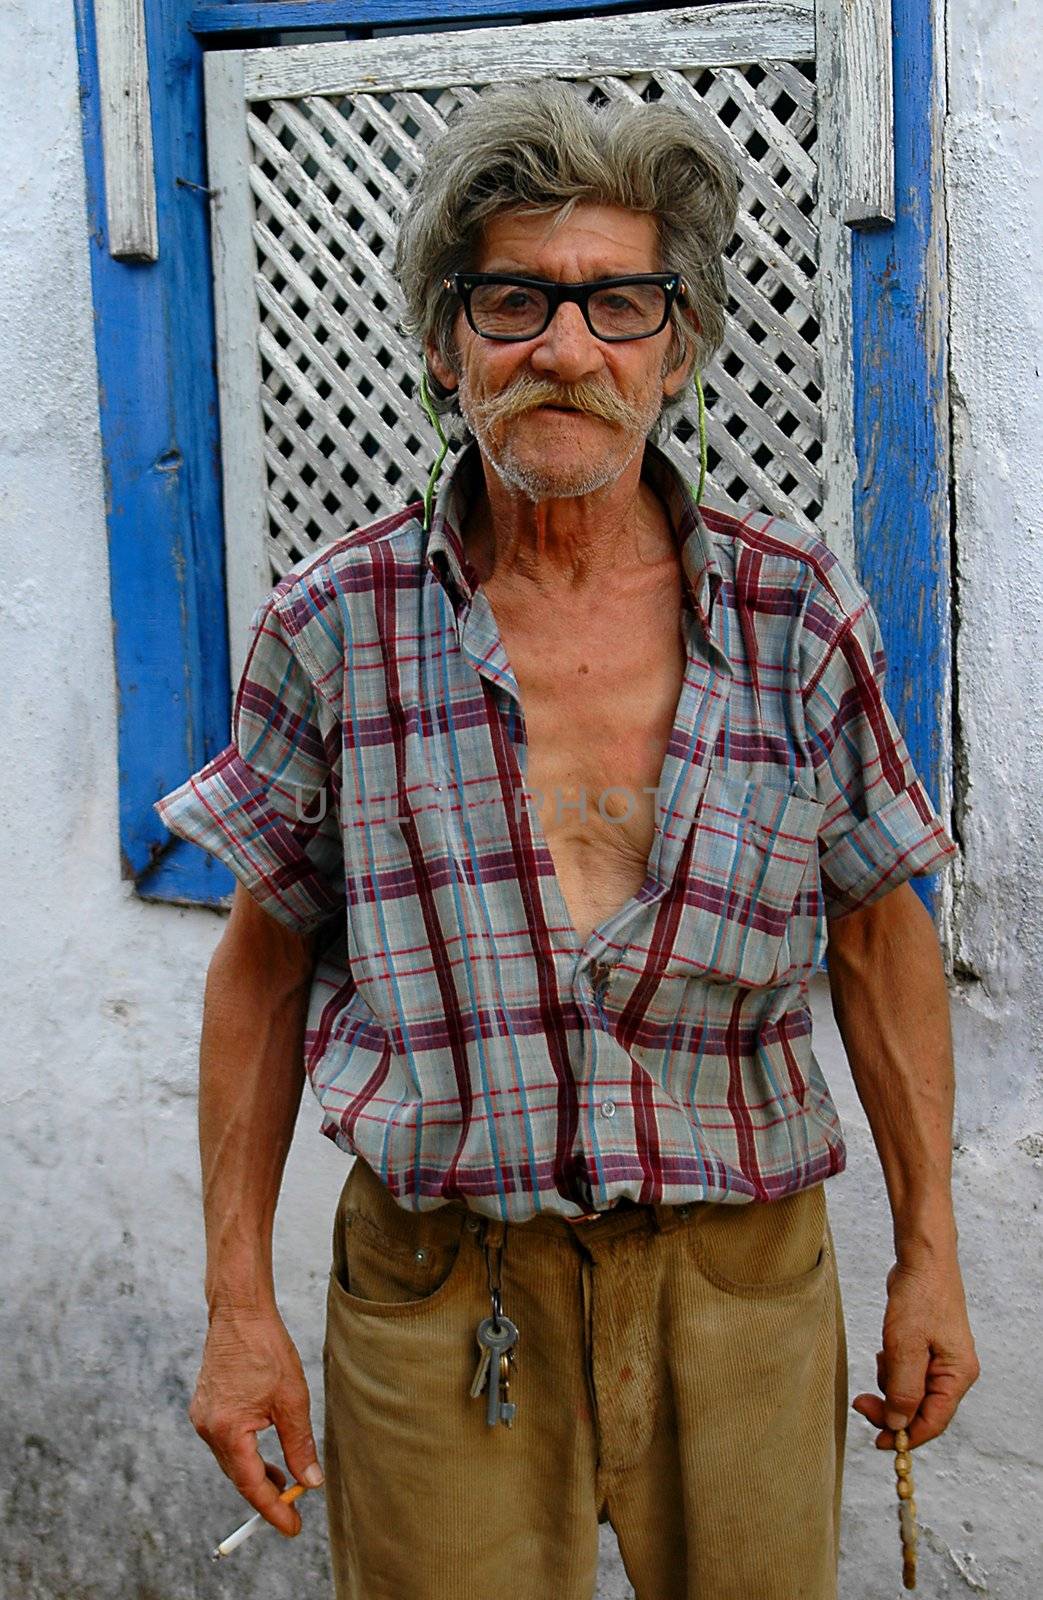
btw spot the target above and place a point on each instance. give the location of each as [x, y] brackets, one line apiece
[749, 852]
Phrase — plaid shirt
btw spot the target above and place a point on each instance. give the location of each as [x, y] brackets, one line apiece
[459, 1038]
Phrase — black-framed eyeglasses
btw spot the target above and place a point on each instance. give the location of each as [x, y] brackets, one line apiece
[499, 306]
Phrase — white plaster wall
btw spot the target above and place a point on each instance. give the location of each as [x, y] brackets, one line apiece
[104, 1490]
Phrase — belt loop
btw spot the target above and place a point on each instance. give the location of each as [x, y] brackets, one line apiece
[494, 1233]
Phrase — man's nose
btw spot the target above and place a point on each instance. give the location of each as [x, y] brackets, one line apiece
[567, 349]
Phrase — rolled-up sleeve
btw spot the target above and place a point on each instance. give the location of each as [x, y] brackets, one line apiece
[879, 826]
[268, 804]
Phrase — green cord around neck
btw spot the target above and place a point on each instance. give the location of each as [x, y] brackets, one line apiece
[435, 421]
[702, 440]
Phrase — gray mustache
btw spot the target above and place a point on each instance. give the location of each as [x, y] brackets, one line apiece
[526, 393]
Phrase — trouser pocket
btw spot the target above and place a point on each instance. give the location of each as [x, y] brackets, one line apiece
[764, 1248]
[387, 1260]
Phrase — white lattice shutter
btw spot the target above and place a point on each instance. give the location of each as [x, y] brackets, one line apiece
[311, 150]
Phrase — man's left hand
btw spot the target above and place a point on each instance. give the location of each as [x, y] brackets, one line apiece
[928, 1361]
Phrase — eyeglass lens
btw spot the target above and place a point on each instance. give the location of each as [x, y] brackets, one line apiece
[520, 311]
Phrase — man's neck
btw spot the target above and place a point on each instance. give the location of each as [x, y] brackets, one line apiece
[563, 546]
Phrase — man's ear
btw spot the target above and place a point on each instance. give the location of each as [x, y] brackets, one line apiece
[439, 368]
[675, 378]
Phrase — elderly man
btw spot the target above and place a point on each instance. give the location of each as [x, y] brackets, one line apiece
[544, 806]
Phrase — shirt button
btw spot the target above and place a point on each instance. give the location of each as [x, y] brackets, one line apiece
[608, 1108]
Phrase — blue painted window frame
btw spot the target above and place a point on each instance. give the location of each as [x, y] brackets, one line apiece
[158, 407]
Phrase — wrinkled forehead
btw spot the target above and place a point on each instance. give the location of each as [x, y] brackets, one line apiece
[580, 238]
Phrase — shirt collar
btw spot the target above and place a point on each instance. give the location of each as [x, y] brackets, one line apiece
[444, 551]
[447, 559]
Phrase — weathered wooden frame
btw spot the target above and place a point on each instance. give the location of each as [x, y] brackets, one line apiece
[899, 317]
[126, 124]
[862, 31]
[157, 394]
[711, 36]
[213, 19]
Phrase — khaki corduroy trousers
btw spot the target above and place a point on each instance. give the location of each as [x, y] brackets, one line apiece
[681, 1372]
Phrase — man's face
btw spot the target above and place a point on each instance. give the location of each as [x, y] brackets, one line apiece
[507, 391]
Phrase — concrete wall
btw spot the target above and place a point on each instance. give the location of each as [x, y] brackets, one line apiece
[105, 1490]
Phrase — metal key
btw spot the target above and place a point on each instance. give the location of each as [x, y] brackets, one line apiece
[497, 1341]
[482, 1374]
[508, 1411]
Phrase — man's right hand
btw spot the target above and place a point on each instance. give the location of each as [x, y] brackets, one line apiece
[251, 1378]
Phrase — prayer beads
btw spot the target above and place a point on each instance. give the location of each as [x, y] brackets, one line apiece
[906, 1508]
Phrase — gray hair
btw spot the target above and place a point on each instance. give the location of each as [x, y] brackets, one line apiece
[542, 147]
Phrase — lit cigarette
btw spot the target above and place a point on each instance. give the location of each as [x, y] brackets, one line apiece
[235, 1539]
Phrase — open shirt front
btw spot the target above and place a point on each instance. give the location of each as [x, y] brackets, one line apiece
[460, 1037]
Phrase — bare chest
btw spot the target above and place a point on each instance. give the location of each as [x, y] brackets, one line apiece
[599, 697]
